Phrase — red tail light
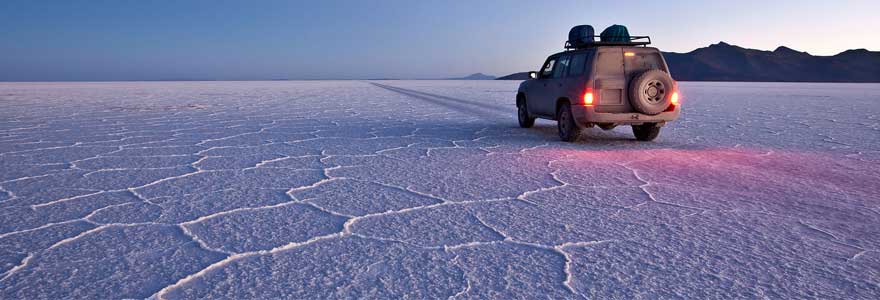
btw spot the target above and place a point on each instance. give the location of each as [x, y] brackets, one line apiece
[674, 98]
[588, 97]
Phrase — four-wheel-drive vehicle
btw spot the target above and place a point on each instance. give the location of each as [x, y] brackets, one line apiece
[616, 80]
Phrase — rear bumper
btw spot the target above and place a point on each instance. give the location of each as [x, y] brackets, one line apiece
[587, 116]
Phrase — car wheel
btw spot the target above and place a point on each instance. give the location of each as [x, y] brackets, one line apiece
[646, 132]
[607, 126]
[568, 129]
[525, 120]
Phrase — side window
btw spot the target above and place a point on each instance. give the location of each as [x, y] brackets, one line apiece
[577, 64]
[588, 64]
[561, 66]
[547, 70]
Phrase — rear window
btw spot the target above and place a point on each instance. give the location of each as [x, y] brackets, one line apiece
[581, 63]
[577, 64]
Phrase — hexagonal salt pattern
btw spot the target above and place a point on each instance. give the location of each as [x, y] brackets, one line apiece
[429, 190]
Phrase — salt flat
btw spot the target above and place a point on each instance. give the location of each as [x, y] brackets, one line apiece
[428, 189]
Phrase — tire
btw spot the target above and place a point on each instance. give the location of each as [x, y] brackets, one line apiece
[565, 123]
[651, 92]
[646, 132]
[607, 126]
[525, 120]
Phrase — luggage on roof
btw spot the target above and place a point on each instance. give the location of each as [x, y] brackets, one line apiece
[615, 34]
[583, 36]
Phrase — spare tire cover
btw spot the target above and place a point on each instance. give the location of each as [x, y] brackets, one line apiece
[651, 92]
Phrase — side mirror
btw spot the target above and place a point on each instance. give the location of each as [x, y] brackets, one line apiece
[533, 74]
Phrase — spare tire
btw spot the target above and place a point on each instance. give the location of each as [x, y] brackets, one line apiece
[651, 91]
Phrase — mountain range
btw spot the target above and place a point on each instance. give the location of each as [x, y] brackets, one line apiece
[475, 76]
[725, 62]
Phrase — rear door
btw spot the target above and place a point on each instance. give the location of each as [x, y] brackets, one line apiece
[638, 60]
[610, 80]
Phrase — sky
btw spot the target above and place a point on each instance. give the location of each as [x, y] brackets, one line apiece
[95, 40]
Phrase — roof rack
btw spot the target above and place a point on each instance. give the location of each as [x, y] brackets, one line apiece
[633, 41]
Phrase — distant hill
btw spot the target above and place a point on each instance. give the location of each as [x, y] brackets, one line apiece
[475, 76]
[515, 76]
[725, 62]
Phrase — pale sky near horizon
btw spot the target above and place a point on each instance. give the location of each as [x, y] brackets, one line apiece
[241, 40]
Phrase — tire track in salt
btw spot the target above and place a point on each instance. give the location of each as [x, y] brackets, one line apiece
[475, 108]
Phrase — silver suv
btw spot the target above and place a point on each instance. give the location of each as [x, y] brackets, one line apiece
[616, 80]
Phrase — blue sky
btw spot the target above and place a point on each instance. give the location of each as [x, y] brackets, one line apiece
[167, 40]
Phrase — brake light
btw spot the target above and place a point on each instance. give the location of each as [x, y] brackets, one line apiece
[674, 99]
[629, 54]
[588, 98]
